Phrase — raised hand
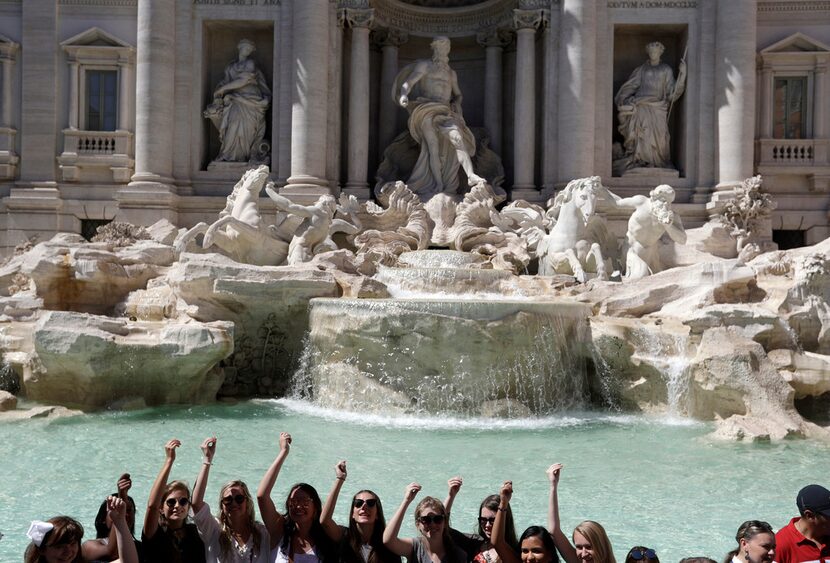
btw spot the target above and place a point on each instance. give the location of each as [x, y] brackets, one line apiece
[506, 492]
[116, 509]
[553, 473]
[170, 448]
[454, 484]
[340, 470]
[285, 441]
[209, 448]
[411, 490]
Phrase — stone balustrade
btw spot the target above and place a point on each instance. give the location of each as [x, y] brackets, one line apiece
[90, 150]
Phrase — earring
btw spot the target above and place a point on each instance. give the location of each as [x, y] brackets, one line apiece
[746, 554]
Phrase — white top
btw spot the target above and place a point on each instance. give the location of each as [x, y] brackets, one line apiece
[209, 529]
[282, 557]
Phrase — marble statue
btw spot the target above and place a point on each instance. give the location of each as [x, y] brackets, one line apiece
[745, 216]
[429, 91]
[240, 231]
[644, 104]
[317, 224]
[652, 217]
[238, 109]
[569, 247]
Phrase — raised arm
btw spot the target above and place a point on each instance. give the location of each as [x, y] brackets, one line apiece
[273, 520]
[151, 516]
[209, 450]
[286, 205]
[414, 77]
[334, 531]
[400, 546]
[554, 524]
[117, 511]
[453, 486]
[506, 553]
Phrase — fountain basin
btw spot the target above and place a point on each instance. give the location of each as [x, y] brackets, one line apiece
[492, 358]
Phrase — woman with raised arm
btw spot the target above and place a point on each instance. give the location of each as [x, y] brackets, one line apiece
[535, 544]
[478, 545]
[297, 534]
[167, 535]
[590, 542]
[756, 544]
[362, 540]
[104, 547]
[234, 536]
[434, 544]
[58, 540]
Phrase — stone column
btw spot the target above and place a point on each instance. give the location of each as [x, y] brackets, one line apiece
[334, 127]
[550, 75]
[389, 40]
[74, 93]
[735, 93]
[524, 135]
[359, 20]
[765, 125]
[123, 95]
[577, 85]
[309, 114]
[821, 92]
[494, 41]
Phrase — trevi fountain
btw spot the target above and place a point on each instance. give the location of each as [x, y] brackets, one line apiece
[438, 328]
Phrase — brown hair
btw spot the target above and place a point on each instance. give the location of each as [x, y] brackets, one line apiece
[438, 506]
[66, 530]
[747, 531]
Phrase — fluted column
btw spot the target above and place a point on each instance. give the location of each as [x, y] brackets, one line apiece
[577, 89]
[494, 42]
[74, 93]
[6, 109]
[155, 76]
[765, 125]
[309, 114]
[524, 135]
[123, 95]
[359, 20]
[735, 92]
[820, 106]
[390, 40]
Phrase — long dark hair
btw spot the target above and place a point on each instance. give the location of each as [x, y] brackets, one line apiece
[101, 528]
[547, 539]
[492, 503]
[318, 535]
[380, 553]
[747, 531]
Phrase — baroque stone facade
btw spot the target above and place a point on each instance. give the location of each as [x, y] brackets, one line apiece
[101, 101]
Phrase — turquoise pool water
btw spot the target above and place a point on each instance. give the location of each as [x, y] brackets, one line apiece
[654, 482]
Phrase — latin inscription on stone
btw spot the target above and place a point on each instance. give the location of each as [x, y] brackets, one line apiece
[652, 4]
[238, 2]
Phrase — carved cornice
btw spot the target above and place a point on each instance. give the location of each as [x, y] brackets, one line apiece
[356, 17]
[354, 4]
[100, 3]
[389, 37]
[528, 19]
[430, 21]
[494, 37]
[802, 6]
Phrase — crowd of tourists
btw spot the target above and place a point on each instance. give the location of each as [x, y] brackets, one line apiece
[180, 527]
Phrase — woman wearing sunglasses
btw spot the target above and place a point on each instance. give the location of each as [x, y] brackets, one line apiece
[641, 554]
[479, 546]
[297, 534]
[234, 536]
[431, 521]
[167, 535]
[590, 542]
[362, 540]
[535, 544]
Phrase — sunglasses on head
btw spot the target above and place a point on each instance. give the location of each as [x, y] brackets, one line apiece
[369, 502]
[484, 521]
[183, 501]
[238, 499]
[643, 554]
[431, 519]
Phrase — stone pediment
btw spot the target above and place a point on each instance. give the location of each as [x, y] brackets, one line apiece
[797, 43]
[95, 37]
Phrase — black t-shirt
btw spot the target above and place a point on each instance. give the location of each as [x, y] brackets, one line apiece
[167, 547]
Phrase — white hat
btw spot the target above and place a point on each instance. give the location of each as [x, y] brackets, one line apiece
[38, 530]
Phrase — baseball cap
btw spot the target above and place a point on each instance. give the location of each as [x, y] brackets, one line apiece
[815, 498]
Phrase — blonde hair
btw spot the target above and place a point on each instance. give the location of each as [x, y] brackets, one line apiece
[225, 521]
[596, 536]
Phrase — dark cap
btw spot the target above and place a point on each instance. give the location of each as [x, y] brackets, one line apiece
[815, 498]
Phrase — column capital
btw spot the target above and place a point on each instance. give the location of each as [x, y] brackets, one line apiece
[494, 37]
[528, 19]
[389, 37]
[356, 17]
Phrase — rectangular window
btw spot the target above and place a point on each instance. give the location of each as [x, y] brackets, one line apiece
[790, 108]
[101, 100]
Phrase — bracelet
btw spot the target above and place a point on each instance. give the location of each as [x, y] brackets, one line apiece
[207, 462]
[500, 509]
[340, 478]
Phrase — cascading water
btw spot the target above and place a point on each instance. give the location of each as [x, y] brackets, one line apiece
[452, 350]
[668, 353]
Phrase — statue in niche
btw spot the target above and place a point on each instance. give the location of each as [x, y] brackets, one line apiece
[652, 217]
[317, 223]
[644, 105]
[238, 109]
[429, 91]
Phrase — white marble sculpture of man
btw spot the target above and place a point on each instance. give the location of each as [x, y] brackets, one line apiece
[643, 104]
[429, 90]
[238, 109]
[652, 217]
